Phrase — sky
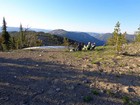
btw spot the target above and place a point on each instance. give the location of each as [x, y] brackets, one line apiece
[72, 15]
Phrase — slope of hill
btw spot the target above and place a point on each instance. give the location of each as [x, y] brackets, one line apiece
[98, 38]
[77, 36]
[104, 36]
[59, 77]
[53, 40]
[46, 38]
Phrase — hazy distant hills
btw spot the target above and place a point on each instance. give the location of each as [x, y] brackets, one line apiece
[33, 29]
[85, 37]
[77, 36]
[104, 36]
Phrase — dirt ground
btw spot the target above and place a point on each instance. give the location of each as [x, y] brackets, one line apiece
[42, 77]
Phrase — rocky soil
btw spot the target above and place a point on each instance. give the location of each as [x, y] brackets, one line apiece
[58, 77]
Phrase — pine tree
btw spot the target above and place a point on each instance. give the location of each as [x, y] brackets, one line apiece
[116, 34]
[1, 41]
[22, 37]
[114, 39]
[65, 42]
[110, 41]
[13, 43]
[5, 36]
[138, 35]
[117, 39]
[123, 38]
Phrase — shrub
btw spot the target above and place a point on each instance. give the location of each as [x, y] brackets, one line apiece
[87, 98]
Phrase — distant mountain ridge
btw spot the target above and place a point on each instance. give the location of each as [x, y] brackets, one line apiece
[84, 37]
[10, 29]
[104, 36]
[99, 39]
[77, 36]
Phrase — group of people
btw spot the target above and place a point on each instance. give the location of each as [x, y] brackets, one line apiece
[90, 46]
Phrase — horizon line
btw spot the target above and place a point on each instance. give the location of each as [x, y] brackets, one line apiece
[63, 29]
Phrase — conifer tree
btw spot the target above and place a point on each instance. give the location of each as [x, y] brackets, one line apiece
[1, 41]
[110, 41]
[114, 39]
[117, 39]
[13, 43]
[138, 35]
[116, 35]
[123, 38]
[65, 42]
[5, 36]
[22, 37]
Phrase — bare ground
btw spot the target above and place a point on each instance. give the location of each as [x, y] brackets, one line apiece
[42, 77]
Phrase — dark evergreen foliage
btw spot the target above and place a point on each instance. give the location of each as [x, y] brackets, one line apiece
[5, 36]
[138, 35]
[118, 39]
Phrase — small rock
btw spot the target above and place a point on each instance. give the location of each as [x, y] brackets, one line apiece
[84, 66]
[102, 91]
[71, 87]
[36, 65]
[103, 73]
[115, 91]
[40, 91]
[63, 101]
[127, 67]
[55, 82]
[86, 81]
[49, 73]
[51, 91]
[118, 57]
[7, 84]
[40, 55]
[134, 65]
[92, 85]
[5, 98]
[120, 73]
[71, 50]
[58, 89]
[25, 93]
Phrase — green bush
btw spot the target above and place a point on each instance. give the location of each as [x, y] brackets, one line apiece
[87, 98]
[95, 92]
[125, 100]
